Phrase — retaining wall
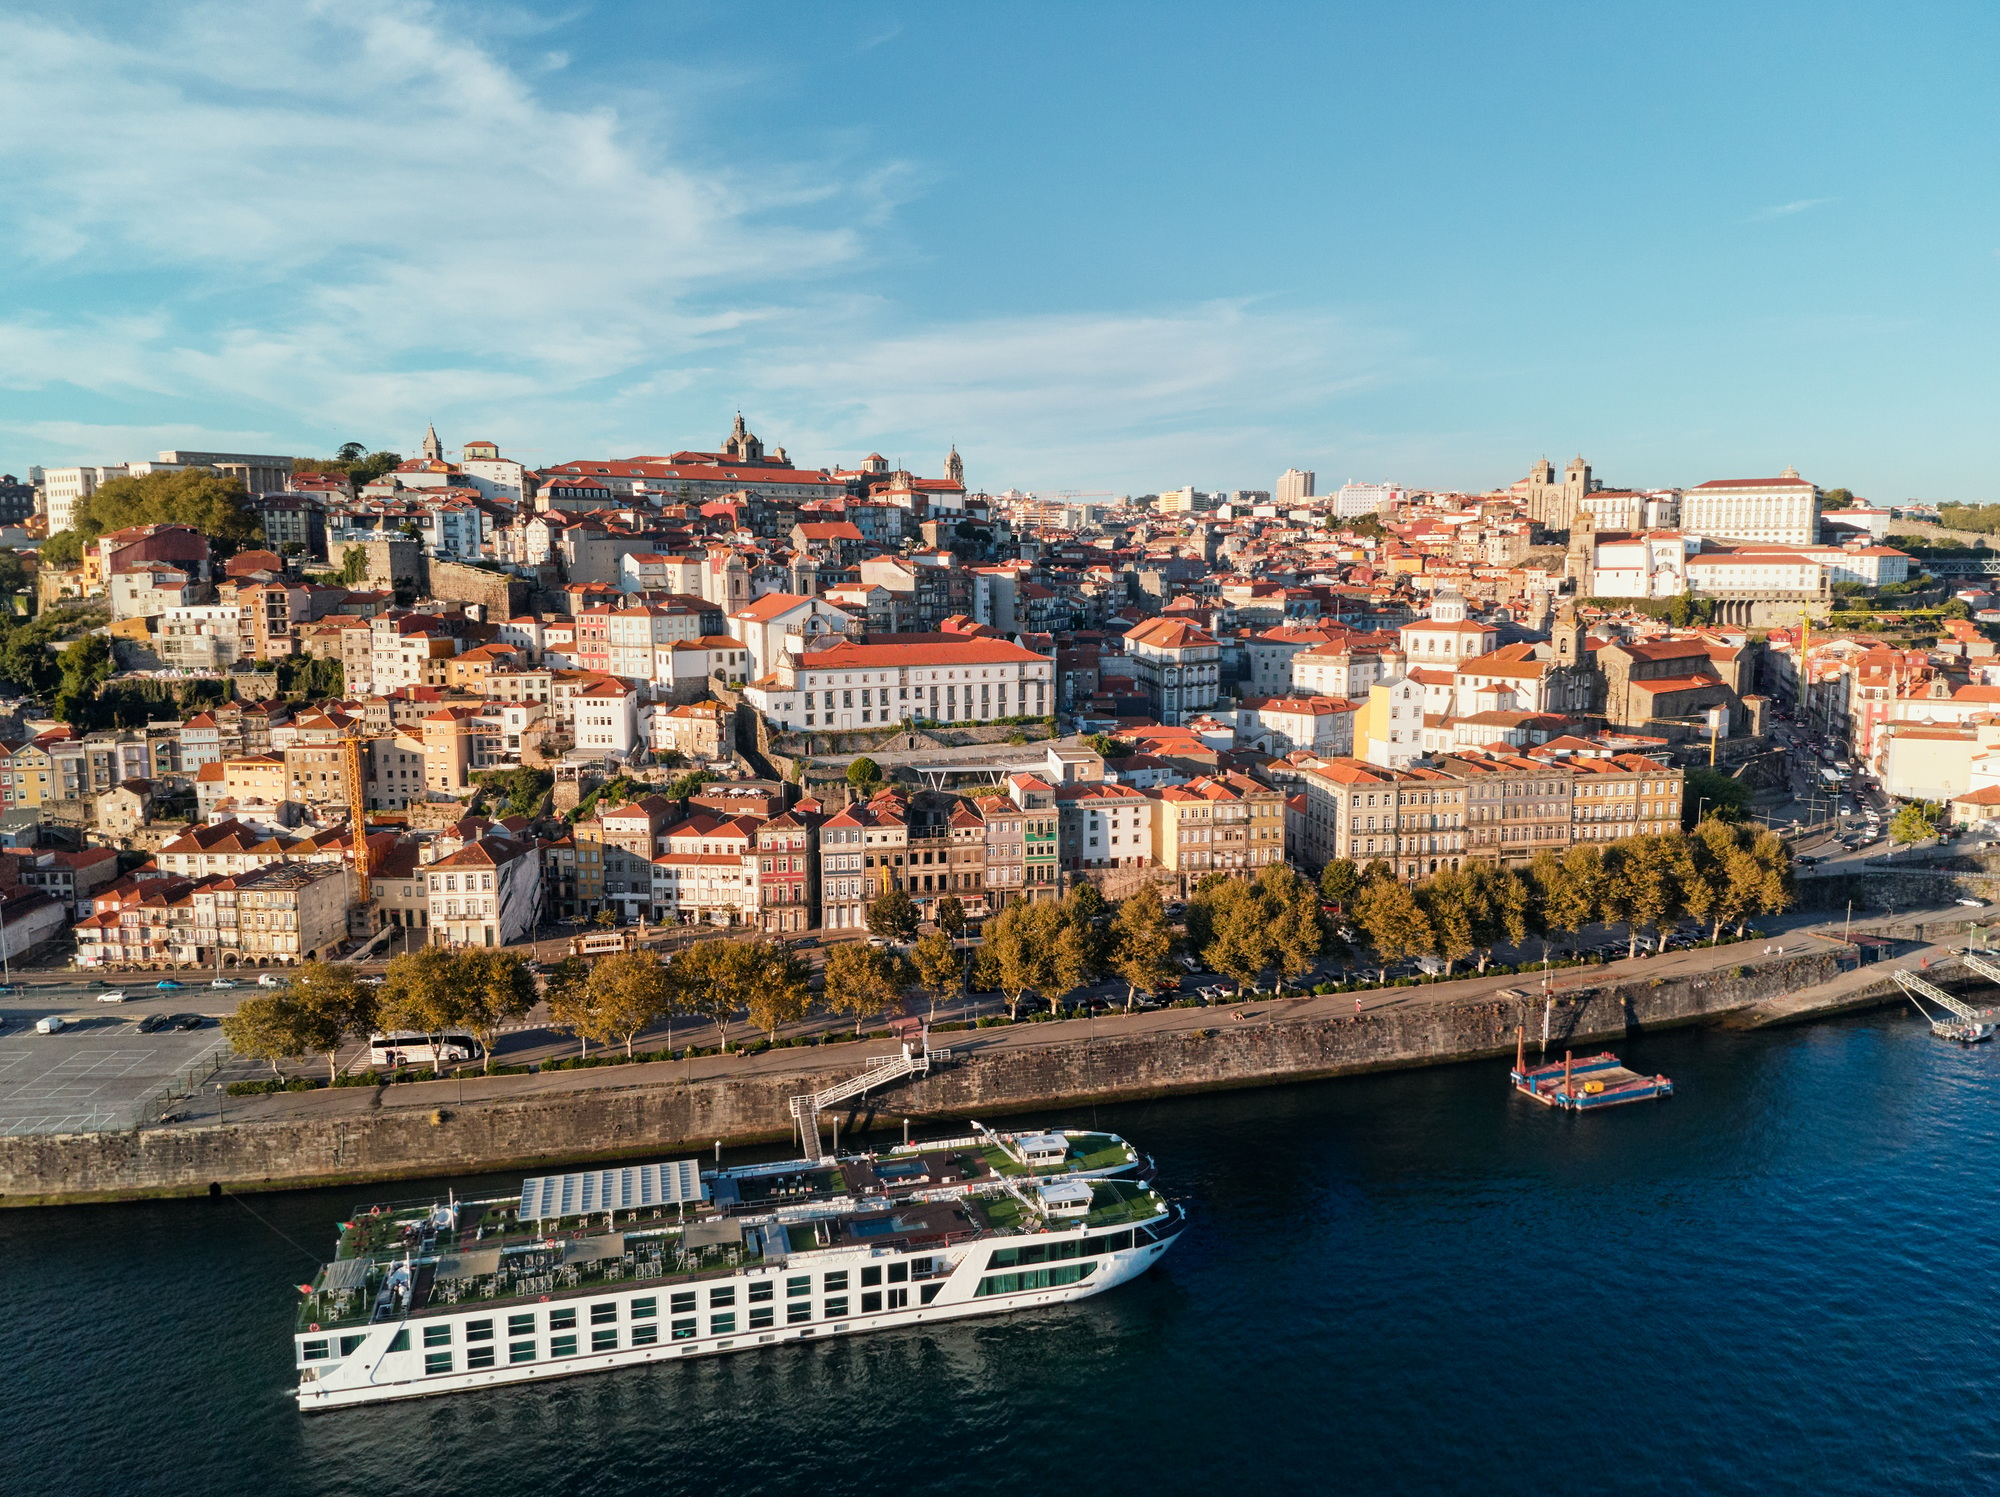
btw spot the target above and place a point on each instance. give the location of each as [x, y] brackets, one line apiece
[408, 1136]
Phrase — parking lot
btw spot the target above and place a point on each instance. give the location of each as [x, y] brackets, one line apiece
[99, 1073]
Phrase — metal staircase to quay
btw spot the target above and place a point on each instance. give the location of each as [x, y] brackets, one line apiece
[1970, 1024]
[915, 1060]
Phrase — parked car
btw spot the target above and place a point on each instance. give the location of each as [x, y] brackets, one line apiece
[186, 1021]
[222, 982]
[269, 980]
[154, 1023]
[113, 997]
[52, 1024]
[167, 985]
[1976, 904]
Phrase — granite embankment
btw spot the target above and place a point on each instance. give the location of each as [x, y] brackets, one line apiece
[422, 1130]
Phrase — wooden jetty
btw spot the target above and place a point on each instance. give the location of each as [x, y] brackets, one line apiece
[1581, 1085]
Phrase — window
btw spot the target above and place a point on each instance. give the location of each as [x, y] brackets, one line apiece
[520, 1325]
[683, 1303]
[436, 1362]
[683, 1330]
[605, 1313]
[401, 1341]
[760, 1291]
[871, 1276]
[835, 1308]
[835, 1282]
[477, 1357]
[563, 1320]
[316, 1351]
[562, 1346]
[871, 1304]
[795, 1314]
[349, 1345]
[604, 1340]
[763, 1317]
[437, 1335]
[722, 1325]
[645, 1309]
[646, 1333]
[899, 1299]
[929, 1292]
[726, 1295]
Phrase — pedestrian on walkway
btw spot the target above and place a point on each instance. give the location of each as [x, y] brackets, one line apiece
[1357, 1005]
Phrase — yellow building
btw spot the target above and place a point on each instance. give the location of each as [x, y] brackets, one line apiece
[1229, 822]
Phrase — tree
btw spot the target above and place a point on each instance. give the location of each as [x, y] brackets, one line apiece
[499, 989]
[1142, 946]
[863, 774]
[1569, 889]
[566, 991]
[350, 452]
[1339, 881]
[860, 981]
[1297, 929]
[893, 916]
[330, 1005]
[716, 979]
[1388, 914]
[267, 1028]
[938, 966]
[1497, 905]
[949, 916]
[1645, 885]
[781, 986]
[353, 566]
[1022, 938]
[1916, 821]
[424, 990]
[1726, 796]
[211, 503]
[1445, 900]
[1239, 944]
[625, 993]
[1075, 962]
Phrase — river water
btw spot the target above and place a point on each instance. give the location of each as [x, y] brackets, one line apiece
[1781, 1279]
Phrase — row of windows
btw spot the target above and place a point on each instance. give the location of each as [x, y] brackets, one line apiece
[1034, 1278]
[1054, 1252]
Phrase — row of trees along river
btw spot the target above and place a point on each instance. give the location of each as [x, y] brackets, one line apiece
[1277, 926]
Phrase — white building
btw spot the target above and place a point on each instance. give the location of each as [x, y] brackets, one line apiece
[1295, 485]
[1783, 510]
[858, 686]
[488, 893]
[1280, 725]
[607, 717]
[1447, 636]
[1357, 499]
[779, 624]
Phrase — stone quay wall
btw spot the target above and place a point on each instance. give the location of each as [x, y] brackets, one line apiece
[410, 1136]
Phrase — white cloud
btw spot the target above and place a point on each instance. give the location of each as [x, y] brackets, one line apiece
[1786, 210]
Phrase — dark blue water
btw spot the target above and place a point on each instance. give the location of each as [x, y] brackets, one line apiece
[1782, 1279]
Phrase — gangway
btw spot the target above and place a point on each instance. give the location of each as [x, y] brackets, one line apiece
[915, 1060]
[1968, 1028]
[1988, 970]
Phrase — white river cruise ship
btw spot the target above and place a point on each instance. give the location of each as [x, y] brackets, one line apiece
[633, 1264]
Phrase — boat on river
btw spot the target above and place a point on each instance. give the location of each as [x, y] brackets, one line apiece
[619, 1267]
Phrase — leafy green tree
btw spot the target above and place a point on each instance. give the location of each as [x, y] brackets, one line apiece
[1339, 881]
[716, 979]
[625, 993]
[939, 967]
[1022, 938]
[1570, 890]
[1725, 795]
[1444, 899]
[566, 991]
[780, 990]
[893, 916]
[424, 990]
[1916, 821]
[268, 1028]
[62, 551]
[215, 505]
[330, 1006]
[1298, 929]
[353, 566]
[499, 990]
[1646, 888]
[1388, 914]
[1076, 961]
[863, 773]
[1142, 946]
[1498, 906]
[860, 981]
[949, 916]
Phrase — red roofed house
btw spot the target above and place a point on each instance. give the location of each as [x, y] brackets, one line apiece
[1179, 666]
[934, 679]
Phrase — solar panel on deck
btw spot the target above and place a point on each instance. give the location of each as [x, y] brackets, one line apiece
[628, 1188]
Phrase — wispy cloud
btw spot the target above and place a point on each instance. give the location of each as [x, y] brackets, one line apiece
[1786, 210]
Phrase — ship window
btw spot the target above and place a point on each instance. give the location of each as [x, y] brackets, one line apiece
[521, 1351]
[562, 1346]
[898, 1298]
[928, 1293]
[836, 1282]
[562, 1320]
[349, 1345]
[722, 1325]
[760, 1290]
[683, 1330]
[520, 1325]
[1118, 1242]
[726, 1295]
[871, 1304]
[604, 1313]
[798, 1287]
[477, 1357]
[604, 1340]
[402, 1341]
[436, 1362]
[835, 1308]
[645, 1335]
[437, 1335]
[479, 1330]
[683, 1302]
[316, 1351]
[870, 1277]
[794, 1314]
[899, 1273]
[763, 1317]
[645, 1309]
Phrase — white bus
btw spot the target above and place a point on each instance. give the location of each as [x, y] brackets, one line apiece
[407, 1047]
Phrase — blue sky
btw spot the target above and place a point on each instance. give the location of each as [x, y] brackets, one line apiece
[1116, 247]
